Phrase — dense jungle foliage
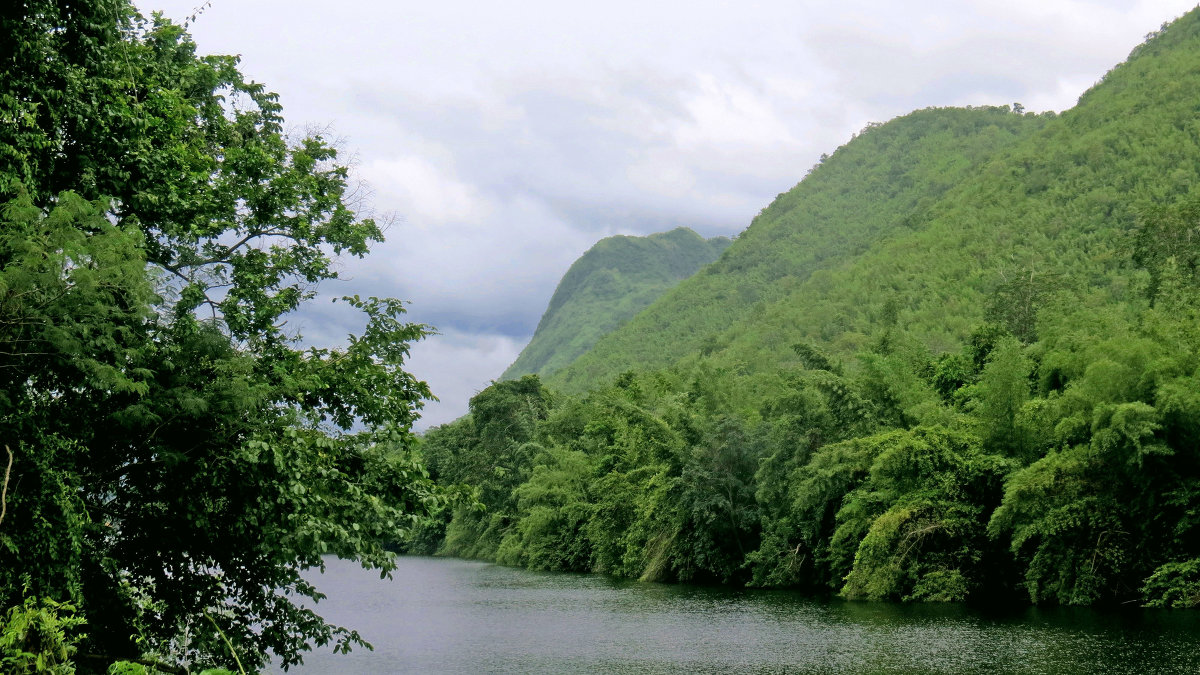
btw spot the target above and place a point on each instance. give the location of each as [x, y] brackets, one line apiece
[960, 360]
[608, 285]
[171, 460]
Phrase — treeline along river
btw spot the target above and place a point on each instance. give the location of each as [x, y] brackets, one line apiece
[453, 616]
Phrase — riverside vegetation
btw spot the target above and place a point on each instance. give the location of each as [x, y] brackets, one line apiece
[171, 460]
[957, 362]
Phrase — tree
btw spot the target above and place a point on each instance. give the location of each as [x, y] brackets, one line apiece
[1166, 237]
[1015, 300]
[177, 460]
[915, 528]
[234, 212]
[717, 518]
[997, 397]
[492, 450]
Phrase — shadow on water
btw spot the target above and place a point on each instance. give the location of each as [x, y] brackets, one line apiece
[456, 616]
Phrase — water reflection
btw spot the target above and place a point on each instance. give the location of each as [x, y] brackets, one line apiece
[454, 616]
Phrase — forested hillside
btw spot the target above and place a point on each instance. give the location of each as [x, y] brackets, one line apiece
[928, 217]
[958, 360]
[879, 185]
[611, 282]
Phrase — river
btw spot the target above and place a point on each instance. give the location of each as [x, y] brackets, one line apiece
[439, 615]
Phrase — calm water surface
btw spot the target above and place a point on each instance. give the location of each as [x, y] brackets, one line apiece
[441, 615]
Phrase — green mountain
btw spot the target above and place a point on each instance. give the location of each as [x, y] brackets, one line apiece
[927, 216]
[611, 282]
[878, 187]
[960, 360]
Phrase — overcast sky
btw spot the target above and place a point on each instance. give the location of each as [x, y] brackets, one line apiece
[507, 137]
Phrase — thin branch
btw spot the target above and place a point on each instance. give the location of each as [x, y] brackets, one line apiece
[909, 542]
[4, 492]
[227, 642]
[177, 270]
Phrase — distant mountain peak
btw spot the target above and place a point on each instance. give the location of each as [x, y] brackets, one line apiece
[607, 285]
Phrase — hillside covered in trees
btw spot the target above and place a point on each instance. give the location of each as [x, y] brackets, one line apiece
[609, 284]
[958, 361]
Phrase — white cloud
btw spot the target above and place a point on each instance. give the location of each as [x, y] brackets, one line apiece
[422, 191]
[457, 365]
[495, 273]
[725, 113]
[661, 174]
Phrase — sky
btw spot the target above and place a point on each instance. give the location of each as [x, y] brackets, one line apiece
[500, 140]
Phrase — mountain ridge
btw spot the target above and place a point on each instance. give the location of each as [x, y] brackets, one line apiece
[1063, 162]
[805, 230]
[608, 284]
